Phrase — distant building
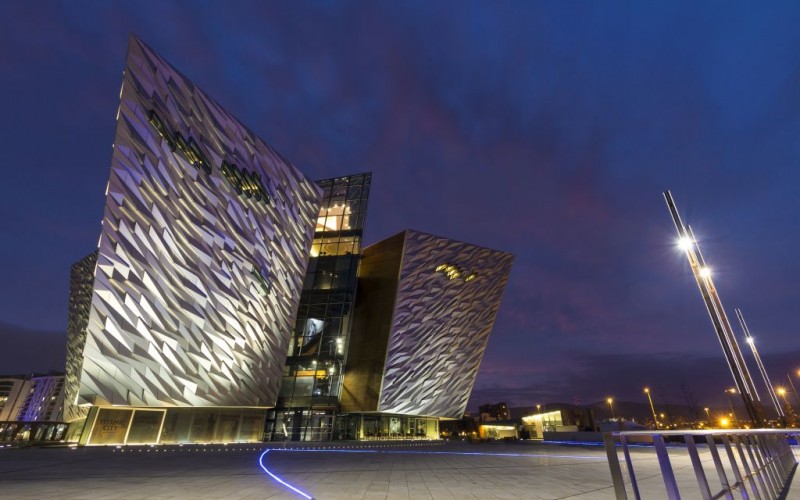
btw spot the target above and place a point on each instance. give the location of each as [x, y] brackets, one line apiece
[13, 391]
[31, 408]
[558, 418]
[497, 411]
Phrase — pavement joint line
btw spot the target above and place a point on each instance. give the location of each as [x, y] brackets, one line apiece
[394, 452]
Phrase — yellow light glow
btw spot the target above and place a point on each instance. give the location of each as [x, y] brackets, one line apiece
[610, 400]
[724, 422]
[705, 272]
[781, 391]
[646, 389]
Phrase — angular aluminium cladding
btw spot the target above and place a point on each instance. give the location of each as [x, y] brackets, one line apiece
[425, 309]
[205, 240]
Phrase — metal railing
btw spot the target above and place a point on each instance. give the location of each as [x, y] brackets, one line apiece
[758, 463]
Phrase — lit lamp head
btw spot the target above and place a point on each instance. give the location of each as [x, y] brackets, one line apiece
[705, 272]
[610, 400]
[781, 391]
[646, 390]
[685, 243]
[749, 340]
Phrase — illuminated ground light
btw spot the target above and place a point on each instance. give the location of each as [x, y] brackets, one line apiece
[403, 452]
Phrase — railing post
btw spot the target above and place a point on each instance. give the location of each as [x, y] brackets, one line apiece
[666, 467]
[699, 473]
[770, 461]
[748, 474]
[767, 465]
[723, 479]
[758, 472]
[613, 464]
[732, 459]
[623, 440]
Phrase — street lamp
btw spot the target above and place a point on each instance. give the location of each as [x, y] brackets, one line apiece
[728, 393]
[652, 408]
[610, 402]
[708, 415]
[538, 408]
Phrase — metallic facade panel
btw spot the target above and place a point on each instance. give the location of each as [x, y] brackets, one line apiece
[204, 245]
[448, 294]
[80, 302]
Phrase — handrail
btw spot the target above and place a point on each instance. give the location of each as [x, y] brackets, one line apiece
[761, 460]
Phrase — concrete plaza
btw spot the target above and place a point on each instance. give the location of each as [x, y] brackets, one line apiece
[338, 471]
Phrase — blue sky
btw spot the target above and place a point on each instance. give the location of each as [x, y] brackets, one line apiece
[548, 129]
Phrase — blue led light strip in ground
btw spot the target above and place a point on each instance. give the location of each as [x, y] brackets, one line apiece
[401, 452]
[273, 476]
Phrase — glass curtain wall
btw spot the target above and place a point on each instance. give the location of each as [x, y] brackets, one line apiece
[312, 377]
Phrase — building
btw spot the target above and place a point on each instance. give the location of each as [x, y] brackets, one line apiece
[312, 378]
[490, 412]
[31, 407]
[424, 311]
[228, 299]
[13, 390]
[558, 418]
[205, 239]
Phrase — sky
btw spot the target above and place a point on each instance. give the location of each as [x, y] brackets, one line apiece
[546, 129]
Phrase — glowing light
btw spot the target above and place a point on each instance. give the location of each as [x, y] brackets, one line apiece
[705, 272]
[276, 478]
[646, 390]
[685, 243]
[724, 422]
[781, 391]
[749, 340]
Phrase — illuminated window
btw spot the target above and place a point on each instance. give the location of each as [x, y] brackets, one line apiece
[336, 217]
[452, 272]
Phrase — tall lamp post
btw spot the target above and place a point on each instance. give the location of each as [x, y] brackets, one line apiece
[722, 327]
[610, 402]
[760, 364]
[728, 393]
[788, 417]
[791, 383]
[652, 408]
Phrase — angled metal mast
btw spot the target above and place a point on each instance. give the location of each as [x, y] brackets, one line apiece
[770, 389]
[722, 327]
